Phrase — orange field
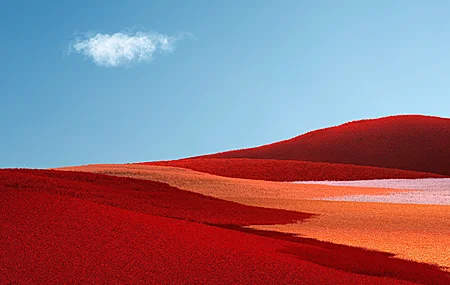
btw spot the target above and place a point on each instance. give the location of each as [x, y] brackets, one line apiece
[225, 187]
[415, 232]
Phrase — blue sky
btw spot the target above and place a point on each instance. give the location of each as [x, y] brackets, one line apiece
[239, 74]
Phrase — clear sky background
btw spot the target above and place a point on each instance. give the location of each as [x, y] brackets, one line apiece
[246, 73]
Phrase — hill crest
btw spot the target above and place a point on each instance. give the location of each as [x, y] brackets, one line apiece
[409, 142]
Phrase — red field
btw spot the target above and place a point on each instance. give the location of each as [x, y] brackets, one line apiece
[73, 227]
[147, 197]
[410, 142]
[289, 170]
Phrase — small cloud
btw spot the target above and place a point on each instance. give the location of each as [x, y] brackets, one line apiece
[123, 48]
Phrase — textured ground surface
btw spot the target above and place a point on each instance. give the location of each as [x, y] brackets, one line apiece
[289, 170]
[224, 187]
[68, 227]
[423, 191]
[410, 184]
[416, 232]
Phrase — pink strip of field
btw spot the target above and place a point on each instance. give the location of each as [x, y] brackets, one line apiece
[423, 191]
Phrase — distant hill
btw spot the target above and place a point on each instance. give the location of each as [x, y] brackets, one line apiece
[290, 170]
[409, 142]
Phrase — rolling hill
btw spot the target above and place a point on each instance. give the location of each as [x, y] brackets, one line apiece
[76, 227]
[290, 170]
[408, 142]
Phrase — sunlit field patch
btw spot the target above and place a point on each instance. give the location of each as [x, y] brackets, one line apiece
[412, 231]
[423, 191]
[226, 187]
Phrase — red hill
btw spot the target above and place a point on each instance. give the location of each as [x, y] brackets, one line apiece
[409, 142]
[290, 170]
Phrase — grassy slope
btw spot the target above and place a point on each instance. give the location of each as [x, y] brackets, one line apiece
[79, 227]
[416, 232]
[289, 170]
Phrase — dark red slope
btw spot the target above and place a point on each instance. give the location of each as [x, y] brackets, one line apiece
[411, 142]
[76, 228]
[144, 196]
[290, 170]
[50, 239]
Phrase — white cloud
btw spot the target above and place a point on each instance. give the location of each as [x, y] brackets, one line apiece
[123, 48]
